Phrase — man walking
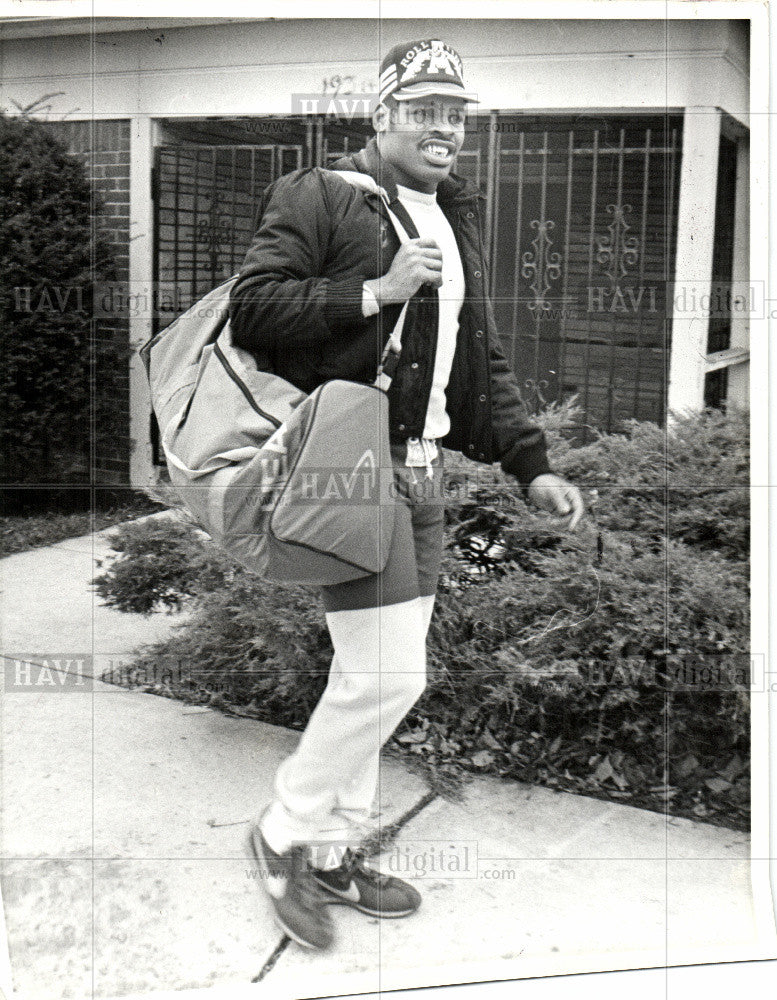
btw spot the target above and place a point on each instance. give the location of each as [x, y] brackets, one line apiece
[319, 293]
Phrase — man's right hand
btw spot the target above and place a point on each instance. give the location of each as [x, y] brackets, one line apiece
[416, 262]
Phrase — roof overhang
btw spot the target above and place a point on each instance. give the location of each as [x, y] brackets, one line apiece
[47, 26]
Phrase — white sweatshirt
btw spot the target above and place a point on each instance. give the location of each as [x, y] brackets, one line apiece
[431, 223]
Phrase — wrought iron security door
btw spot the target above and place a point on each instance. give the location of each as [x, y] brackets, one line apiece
[581, 234]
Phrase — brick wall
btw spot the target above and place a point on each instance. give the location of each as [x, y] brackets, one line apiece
[104, 149]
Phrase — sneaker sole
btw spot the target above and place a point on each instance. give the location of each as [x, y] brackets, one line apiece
[265, 872]
[344, 901]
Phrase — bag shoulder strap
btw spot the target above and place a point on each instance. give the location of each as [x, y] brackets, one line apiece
[367, 183]
[394, 343]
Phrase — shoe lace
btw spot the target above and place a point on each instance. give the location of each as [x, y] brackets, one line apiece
[356, 860]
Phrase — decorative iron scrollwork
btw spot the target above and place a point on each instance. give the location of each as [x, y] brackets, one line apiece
[534, 387]
[214, 229]
[618, 249]
[540, 264]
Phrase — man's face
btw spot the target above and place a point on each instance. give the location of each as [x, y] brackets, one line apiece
[421, 139]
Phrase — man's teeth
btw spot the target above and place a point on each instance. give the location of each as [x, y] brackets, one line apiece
[436, 150]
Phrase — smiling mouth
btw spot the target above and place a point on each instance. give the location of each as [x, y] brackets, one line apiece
[436, 152]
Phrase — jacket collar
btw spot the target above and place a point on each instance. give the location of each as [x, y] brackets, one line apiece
[452, 189]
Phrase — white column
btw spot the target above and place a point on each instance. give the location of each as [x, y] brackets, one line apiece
[693, 265]
[739, 375]
[140, 276]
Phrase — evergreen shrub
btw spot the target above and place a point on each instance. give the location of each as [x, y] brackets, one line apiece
[50, 258]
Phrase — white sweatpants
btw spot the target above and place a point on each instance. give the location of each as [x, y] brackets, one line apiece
[326, 789]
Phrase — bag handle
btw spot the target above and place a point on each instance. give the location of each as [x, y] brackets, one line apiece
[394, 342]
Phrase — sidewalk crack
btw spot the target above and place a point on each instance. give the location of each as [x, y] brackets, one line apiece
[276, 953]
[383, 838]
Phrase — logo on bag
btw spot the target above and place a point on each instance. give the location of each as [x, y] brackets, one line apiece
[277, 441]
[368, 461]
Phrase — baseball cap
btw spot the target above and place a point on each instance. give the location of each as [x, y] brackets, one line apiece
[421, 69]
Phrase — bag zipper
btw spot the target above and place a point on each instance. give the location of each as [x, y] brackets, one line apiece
[242, 386]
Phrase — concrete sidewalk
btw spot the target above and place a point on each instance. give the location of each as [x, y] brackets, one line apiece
[124, 873]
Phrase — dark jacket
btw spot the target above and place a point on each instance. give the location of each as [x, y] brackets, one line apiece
[297, 307]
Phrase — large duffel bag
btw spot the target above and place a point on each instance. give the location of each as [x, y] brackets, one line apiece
[296, 488]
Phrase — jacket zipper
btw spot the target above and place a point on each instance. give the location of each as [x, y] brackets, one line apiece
[489, 428]
[242, 386]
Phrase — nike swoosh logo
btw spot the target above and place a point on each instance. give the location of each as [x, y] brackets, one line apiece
[274, 884]
[351, 893]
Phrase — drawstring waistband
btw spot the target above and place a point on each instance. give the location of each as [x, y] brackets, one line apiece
[421, 452]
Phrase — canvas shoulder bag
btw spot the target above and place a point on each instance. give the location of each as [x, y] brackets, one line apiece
[294, 487]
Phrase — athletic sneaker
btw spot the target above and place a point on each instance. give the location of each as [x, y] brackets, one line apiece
[299, 904]
[366, 889]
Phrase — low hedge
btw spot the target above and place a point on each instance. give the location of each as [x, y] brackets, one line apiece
[30, 518]
[612, 661]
